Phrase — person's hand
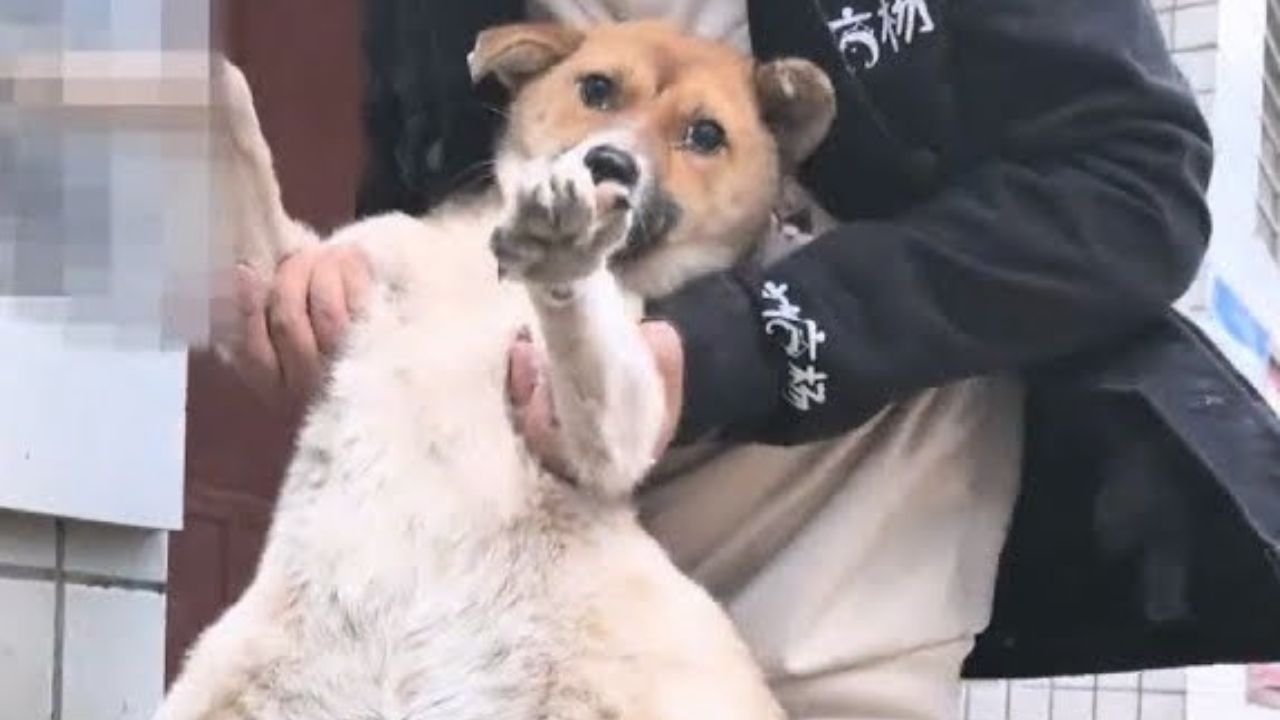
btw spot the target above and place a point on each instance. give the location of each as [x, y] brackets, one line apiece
[291, 324]
[535, 416]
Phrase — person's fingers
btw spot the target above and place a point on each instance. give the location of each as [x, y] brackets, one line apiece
[533, 409]
[254, 357]
[340, 282]
[536, 422]
[357, 278]
[290, 324]
[522, 372]
[327, 303]
[668, 354]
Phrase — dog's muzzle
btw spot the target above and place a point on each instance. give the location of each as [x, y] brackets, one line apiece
[654, 216]
[654, 213]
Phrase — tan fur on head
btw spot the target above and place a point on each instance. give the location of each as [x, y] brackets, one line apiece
[515, 53]
[772, 114]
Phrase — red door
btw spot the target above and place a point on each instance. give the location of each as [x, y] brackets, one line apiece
[302, 58]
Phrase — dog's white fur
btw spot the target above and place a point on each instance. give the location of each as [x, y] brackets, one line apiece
[421, 563]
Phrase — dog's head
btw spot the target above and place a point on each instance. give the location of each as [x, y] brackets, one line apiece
[697, 133]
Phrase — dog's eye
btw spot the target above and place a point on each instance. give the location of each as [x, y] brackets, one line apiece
[704, 136]
[597, 91]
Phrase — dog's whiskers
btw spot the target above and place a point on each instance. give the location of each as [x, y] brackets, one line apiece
[497, 111]
[473, 175]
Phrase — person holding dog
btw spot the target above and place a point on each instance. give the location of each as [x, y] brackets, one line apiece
[1012, 190]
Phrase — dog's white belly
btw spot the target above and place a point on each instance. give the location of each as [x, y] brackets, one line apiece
[441, 637]
[414, 596]
[438, 591]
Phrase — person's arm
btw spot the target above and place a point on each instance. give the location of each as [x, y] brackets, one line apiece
[1089, 220]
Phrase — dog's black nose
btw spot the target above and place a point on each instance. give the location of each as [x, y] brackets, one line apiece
[607, 162]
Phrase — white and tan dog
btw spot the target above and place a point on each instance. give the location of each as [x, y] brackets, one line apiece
[421, 564]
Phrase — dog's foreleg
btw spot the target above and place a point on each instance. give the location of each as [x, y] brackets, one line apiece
[604, 385]
[558, 232]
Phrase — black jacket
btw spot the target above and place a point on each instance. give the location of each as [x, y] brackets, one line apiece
[1022, 184]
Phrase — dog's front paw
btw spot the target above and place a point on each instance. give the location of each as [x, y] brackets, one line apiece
[561, 227]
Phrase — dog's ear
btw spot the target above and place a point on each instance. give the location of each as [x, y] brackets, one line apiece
[515, 53]
[798, 104]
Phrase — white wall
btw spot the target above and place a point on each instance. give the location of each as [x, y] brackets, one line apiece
[1230, 71]
[1218, 693]
[90, 427]
[103, 245]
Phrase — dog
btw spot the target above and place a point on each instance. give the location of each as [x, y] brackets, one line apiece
[421, 563]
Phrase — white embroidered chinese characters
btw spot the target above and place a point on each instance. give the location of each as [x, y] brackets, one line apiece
[863, 37]
[806, 385]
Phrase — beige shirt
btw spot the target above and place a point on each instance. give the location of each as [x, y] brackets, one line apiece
[724, 20]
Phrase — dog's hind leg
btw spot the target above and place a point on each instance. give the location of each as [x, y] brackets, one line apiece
[251, 215]
[231, 657]
[250, 226]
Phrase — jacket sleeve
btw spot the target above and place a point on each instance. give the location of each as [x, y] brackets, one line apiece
[1087, 219]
